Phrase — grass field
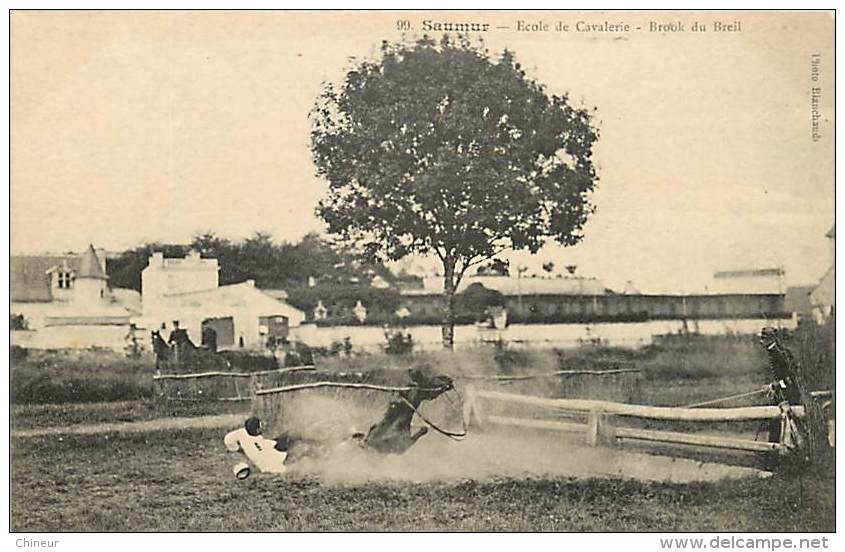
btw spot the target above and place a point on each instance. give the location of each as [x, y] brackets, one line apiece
[181, 479]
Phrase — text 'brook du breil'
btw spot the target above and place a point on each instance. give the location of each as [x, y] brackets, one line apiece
[623, 27]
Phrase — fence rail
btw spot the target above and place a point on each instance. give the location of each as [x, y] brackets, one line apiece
[655, 436]
[220, 385]
[669, 413]
[199, 375]
[601, 427]
[348, 385]
[559, 373]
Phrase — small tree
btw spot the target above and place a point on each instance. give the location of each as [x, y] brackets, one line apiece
[439, 149]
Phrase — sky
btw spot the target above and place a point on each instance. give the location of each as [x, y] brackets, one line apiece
[130, 127]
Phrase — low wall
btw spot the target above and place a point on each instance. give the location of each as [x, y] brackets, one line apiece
[558, 336]
[71, 337]
[427, 309]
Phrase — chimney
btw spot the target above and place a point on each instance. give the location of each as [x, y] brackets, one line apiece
[157, 259]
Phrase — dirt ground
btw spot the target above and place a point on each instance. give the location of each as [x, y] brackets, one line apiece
[489, 455]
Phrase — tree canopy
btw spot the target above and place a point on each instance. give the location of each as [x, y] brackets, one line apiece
[439, 148]
[271, 264]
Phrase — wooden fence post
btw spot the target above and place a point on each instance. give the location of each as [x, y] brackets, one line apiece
[473, 416]
[790, 436]
[600, 429]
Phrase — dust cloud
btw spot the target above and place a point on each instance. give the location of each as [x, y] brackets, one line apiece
[487, 455]
[333, 415]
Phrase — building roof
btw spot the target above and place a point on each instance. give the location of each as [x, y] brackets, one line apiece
[29, 277]
[508, 285]
[750, 273]
[223, 300]
[90, 267]
[129, 299]
[278, 294]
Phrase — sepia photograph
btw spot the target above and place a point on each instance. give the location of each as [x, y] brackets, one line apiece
[412, 271]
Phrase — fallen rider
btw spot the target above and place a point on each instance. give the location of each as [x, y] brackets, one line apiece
[268, 455]
[391, 435]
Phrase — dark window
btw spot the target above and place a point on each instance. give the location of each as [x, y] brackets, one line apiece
[65, 280]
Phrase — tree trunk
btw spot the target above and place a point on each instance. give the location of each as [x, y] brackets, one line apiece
[447, 329]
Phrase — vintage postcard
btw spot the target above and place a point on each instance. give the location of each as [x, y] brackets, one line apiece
[423, 271]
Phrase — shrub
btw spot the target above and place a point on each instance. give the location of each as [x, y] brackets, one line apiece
[399, 342]
[814, 347]
[341, 347]
[300, 355]
[17, 322]
[508, 359]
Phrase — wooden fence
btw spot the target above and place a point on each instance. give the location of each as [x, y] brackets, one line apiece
[221, 386]
[601, 426]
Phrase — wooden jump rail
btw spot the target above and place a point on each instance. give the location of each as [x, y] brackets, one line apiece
[233, 374]
[319, 384]
[219, 399]
[600, 428]
[241, 393]
[668, 437]
[668, 413]
[559, 373]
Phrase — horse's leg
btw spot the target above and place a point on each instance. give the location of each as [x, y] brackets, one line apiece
[416, 436]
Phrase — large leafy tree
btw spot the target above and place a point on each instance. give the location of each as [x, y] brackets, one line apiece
[437, 148]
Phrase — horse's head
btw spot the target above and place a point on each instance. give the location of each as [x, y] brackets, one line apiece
[180, 338]
[428, 385]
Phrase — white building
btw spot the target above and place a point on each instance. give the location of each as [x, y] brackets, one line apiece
[187, 291]
[66, 302]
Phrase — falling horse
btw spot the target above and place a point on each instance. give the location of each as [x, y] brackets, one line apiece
[392, 434]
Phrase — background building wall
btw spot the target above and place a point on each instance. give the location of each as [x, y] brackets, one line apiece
[74, 337]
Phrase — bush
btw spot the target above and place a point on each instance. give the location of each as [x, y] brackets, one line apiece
[17, 322]
[300, 355]
[399, 342]
[814, 347]
[508, 359]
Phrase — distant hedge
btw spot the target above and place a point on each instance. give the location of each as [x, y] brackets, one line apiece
[52, 377]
